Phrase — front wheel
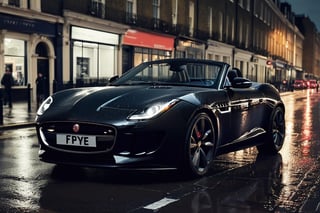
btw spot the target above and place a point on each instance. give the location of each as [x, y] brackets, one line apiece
[276, 133]
[200, 145]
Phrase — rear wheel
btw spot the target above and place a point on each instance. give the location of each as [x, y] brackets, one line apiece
[200, 145]
[276, 133]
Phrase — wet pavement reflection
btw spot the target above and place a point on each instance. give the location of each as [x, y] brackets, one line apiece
[255, 187]
[242, 181]
[301, 151]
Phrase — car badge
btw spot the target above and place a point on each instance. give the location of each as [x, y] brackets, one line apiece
[76, 128]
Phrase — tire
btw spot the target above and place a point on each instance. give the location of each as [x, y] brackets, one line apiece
[200, 145]
[274, 138]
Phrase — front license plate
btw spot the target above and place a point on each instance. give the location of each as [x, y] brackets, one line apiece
[76, 140]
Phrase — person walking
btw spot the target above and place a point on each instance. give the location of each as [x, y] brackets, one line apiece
[41, 88]
[7, 81]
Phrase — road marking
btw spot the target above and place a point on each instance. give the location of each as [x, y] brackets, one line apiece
[159, 204]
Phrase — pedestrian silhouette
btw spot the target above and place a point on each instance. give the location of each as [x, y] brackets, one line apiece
[7, 81]
[41, 88]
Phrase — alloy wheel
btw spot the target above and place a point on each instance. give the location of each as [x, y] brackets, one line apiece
[202, 144]
[278, 128]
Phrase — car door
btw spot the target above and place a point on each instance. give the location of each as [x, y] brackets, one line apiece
[246, 106]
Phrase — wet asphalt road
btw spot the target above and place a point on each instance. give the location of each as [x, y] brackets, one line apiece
[242, 181]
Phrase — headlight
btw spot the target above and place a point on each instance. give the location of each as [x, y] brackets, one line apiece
[153, 110]
[45, 105]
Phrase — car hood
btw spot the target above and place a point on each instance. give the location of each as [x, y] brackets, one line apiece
[111, 102]
[123, 97]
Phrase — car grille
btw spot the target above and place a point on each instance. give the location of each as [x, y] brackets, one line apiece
[104, 136]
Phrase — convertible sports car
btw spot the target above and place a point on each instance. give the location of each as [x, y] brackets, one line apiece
[165, 114]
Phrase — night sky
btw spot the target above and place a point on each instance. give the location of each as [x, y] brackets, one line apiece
[310, 8]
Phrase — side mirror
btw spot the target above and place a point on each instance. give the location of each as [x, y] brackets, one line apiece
[241, 83]
[113, 79]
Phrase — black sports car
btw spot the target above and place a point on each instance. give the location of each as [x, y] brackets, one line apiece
[165, 114]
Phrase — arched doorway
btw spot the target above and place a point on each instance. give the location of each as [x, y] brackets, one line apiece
[43, 64]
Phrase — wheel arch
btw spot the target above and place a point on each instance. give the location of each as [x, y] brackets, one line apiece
[193, 117]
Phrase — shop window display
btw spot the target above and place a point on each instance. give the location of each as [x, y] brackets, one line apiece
[14, 58]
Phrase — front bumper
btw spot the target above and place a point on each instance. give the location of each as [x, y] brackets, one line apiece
[128, 147]
[155, 143]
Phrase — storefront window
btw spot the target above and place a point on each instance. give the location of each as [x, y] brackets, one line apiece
[14, 58]
[107, 61]
[93, 61]
[146, 54]
[94, 55]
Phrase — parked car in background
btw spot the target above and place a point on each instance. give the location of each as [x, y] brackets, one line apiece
[299, 84]
[312, 84]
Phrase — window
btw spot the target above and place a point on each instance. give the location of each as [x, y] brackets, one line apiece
[256, 10]
[220, 26]
[156, 13]
[232, 29]
[34, 5]
[98, 8]
[210, 21]
[226, 59]
[145, 54]
[174, 12]
[92, 59]
[248, 5]
[240, 33]
[261, 11]
[15, 3]
[240, 3]
[131, 11]
[227, 26]
[14, 59]
[247, 35]
[25, 4]
[191, 18]
[156, 9]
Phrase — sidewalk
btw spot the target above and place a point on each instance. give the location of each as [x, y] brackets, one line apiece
[18, 116]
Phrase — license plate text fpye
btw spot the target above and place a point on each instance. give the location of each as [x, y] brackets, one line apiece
[76, 140]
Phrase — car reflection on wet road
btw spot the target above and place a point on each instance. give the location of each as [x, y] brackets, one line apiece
[242, 181]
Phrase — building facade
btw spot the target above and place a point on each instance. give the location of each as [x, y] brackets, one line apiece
[86, 42]
[29, 43]
[311, 43]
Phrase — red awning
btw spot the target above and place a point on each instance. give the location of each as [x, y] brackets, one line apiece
[142, 39]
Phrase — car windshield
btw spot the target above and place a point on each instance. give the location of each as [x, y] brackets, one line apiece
[174, 72]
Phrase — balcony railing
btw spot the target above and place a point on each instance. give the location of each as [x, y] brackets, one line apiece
[162, 26]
